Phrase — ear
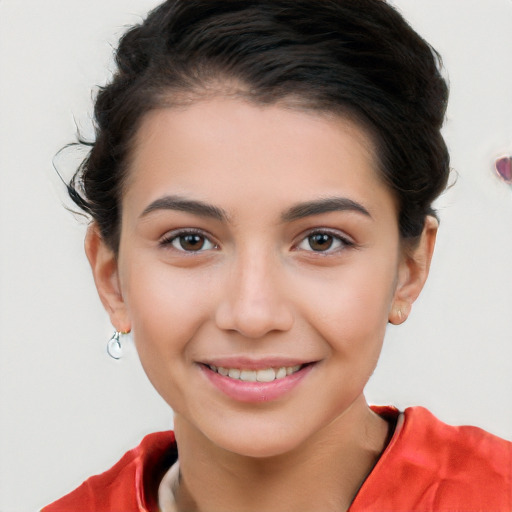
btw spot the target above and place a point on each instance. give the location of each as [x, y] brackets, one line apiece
[104, 267]
[413, 272]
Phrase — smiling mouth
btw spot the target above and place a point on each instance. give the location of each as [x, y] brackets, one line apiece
[263, 375]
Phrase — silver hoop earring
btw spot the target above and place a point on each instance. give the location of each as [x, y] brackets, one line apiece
[114, 347]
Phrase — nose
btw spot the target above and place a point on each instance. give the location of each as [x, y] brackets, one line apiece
[254, 299]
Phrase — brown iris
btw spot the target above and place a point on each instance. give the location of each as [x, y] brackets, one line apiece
[192, 242]
[320, 241]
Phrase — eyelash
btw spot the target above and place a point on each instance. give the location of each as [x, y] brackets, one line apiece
[342, 242]
[174, 237]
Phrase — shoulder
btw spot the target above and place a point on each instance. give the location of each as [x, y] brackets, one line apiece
[127, 486]
[423, 431]
[464, 454]
[431, 466]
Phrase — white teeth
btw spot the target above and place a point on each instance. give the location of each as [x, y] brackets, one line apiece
[292, 369]
[281, 373]
[248, 375]
[234, 373]
[264, 375]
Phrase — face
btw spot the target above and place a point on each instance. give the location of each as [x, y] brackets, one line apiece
[256, 242]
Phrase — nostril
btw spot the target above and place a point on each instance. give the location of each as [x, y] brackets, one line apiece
[253, 320]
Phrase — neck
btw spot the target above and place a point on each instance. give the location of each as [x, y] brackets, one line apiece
[324, 473]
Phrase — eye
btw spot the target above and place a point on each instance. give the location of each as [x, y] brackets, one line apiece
[189, 241]
[324, 241]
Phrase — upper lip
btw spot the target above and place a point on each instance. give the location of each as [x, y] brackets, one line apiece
[246, 363]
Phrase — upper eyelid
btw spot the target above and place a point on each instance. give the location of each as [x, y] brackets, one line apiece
[329, 231]
[171, 235]
[185, 231]
[175, 233]
[346, 241]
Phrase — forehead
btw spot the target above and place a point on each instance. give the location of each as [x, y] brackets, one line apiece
[228, 150]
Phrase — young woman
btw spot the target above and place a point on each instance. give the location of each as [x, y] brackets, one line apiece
[260, 190]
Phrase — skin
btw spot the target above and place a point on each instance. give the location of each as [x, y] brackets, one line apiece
[257, 289]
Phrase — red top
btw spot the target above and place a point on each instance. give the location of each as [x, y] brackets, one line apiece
[428, 466]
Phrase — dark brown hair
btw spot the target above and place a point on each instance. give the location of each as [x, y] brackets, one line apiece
[358, 58]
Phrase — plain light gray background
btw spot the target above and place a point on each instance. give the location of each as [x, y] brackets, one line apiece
[66, 409]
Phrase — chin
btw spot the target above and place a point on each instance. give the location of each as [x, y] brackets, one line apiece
[257, 450]
[265, 442]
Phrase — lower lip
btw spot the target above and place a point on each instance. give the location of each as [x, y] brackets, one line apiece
[252, 392]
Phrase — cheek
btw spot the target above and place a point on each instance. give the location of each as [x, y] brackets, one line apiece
[166, 305]
[168, 308]
[350, 309]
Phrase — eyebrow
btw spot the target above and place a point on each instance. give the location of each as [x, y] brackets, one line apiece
[329, 204]
[186, 205]
[299, 211]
